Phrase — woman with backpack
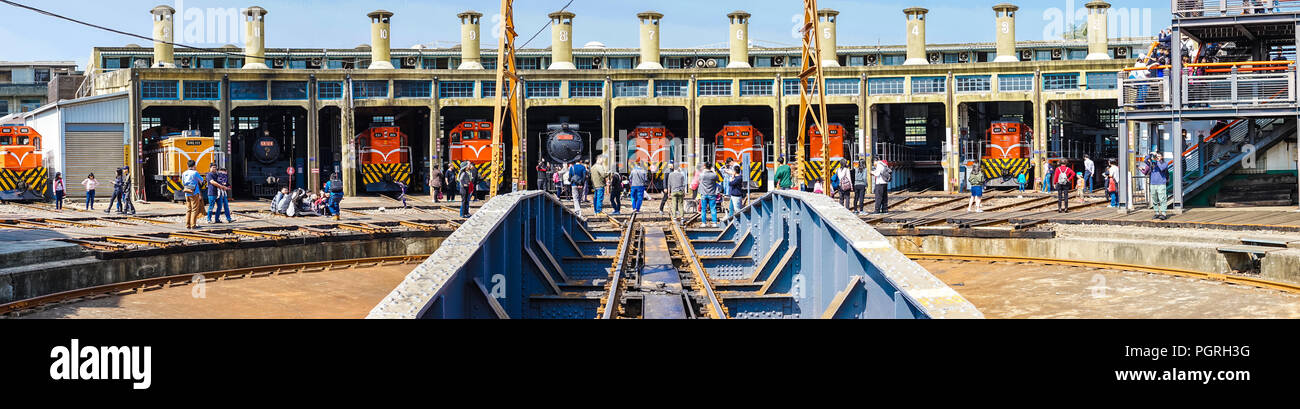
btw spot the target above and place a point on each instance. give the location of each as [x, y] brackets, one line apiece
[976, 180]
[844, 185]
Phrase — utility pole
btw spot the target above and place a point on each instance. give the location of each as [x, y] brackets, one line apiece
[507, 94]
[812, 70]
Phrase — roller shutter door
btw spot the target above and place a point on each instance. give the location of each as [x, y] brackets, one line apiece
[92, 152]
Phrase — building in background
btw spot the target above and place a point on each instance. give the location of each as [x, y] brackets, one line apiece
[24, 85]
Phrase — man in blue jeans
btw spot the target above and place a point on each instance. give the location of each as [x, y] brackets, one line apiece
[218, 193]
[638, 179]
[708, 196]
[598, 176]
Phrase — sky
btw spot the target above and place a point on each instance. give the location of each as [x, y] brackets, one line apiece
[28, 36]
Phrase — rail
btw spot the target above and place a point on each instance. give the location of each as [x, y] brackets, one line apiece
[1233, 279]
[715, 308]
[1226, 8]
[609, 306]
[131, 287]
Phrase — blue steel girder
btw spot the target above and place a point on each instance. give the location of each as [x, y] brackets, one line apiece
[835, 265]
[485, 269]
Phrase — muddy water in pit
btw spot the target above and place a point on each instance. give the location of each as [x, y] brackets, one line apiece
[1007, 290]
[343, 293]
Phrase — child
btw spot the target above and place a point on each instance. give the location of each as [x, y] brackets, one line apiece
[58, 190]
[90, 183]
[1021, 180]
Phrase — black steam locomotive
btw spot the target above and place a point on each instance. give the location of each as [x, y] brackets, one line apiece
[565, 144]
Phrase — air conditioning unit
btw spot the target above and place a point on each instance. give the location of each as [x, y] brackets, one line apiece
[935, 58]
[1056, 54]
[277, 63]
[963, 57]
[778, 61]
[1121, 52]
[410, 62]
[873, 59]
[1026, 55]
[712, 63]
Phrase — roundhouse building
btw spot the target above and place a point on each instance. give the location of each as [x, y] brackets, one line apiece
[918, 105]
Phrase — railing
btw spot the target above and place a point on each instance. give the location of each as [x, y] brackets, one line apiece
[1242, 83]
[1068, 149]
[1228, 139]
[894, 153]
[1222, 8]
[1144, 93]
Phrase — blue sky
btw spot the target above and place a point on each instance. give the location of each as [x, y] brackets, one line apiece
[687, 23]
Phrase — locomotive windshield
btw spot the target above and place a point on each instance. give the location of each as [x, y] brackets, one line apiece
[485, 135]
[5, 140]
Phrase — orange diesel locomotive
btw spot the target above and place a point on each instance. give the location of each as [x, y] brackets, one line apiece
[385, 159]
[1006, 153]
[23, 175]
[471, 145]
[655, 145]
[813, 168]
[734, 141]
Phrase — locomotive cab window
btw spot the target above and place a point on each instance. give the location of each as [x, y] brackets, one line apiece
[36, 142]
[455, 137]
[5, 140]
[485, 135]
[22, 139]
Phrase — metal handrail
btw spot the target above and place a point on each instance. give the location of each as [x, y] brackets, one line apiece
[1222, 8]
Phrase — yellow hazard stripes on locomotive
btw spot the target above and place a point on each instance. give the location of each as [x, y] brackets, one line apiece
[1007, 167]
[813, 170]
[34, 180]
[173, 185]
[484, 170]
[757, 173]
[386, 172]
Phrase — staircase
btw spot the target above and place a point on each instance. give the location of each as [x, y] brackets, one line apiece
[1221, 159]
[1258, 190]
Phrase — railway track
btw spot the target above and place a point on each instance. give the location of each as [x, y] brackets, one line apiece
[656, 275]
[23, 307]
[1227, 278]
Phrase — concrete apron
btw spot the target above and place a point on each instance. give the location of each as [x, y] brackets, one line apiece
[71, 273]
[1282, 265]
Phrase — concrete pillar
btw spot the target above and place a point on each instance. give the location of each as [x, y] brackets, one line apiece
[650, 33]
[470, 54]
[1123, 161]
[381, 55]
[695, 143]
[1005, 18]
[222, 141]
[778, 121]
[826, 24]
[1098, 39]
[255, 38]
[313, 135]
[739, 40]
[347, 138]
[435, 136]
[562, 41]
[163, 51]
[916, 36]
[1176, 184]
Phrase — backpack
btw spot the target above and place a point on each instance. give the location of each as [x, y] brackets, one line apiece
[336, 187]
[1062, 177]
[835, 179]
[846, 183]
[887, 175]
[578, 175]
[1110, 185]
[556, 178]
